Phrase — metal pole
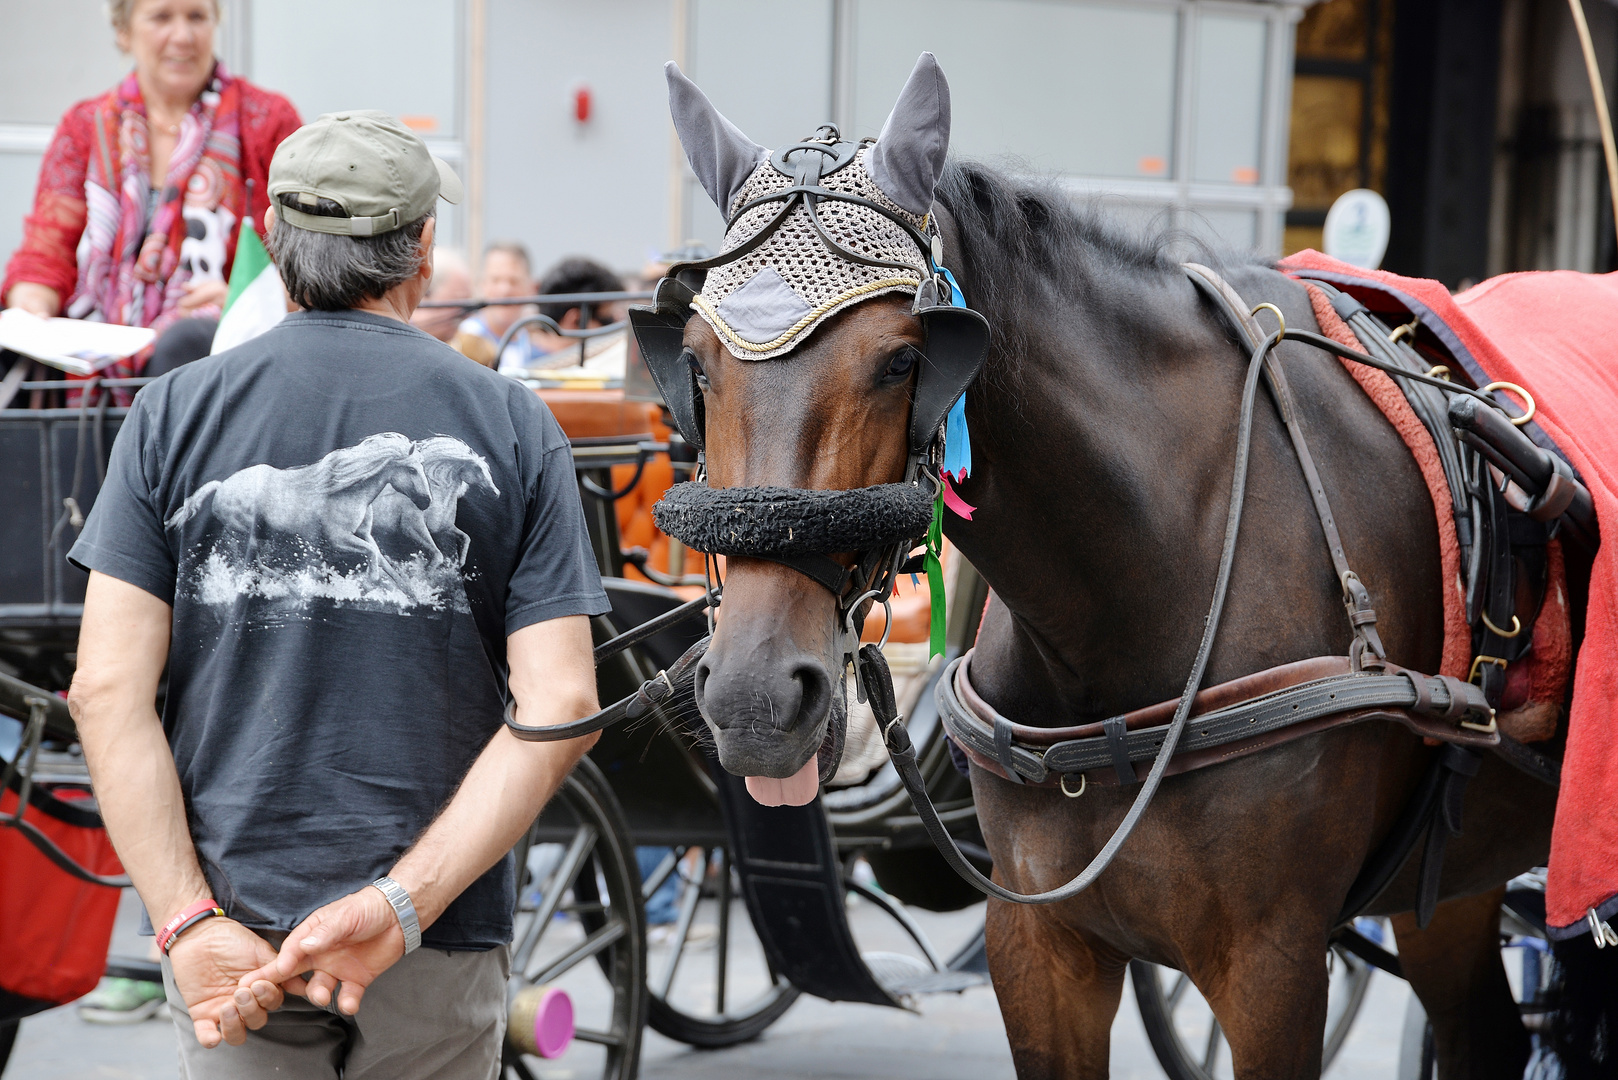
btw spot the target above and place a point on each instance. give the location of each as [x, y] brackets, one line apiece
[1600, 95]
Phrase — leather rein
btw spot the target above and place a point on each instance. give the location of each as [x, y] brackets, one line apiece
[1238, 717]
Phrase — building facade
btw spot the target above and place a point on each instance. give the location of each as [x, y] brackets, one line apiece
[1237, 121]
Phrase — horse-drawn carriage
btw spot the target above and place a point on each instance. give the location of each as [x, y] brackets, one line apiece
[760, 893]
[1108, 349]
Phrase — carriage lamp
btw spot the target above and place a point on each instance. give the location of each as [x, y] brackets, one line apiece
[582, 103]
[540, 1021]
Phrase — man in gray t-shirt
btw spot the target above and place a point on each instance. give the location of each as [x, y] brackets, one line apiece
[350, 547]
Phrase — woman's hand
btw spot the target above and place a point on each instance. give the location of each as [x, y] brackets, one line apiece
[201, 294]
[209, 962]
[346, 945]
[41, 300]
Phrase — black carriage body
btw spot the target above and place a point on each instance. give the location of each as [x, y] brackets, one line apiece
[39, 588]
[41, 593]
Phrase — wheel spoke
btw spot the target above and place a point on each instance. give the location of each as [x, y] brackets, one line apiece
[722, 949]
[655, 881]
[682, 930]
[1178, 992]
[585, 949]
[1211, 1051]
[567, 871]
[585, 909]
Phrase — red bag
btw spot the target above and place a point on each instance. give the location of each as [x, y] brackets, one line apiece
[54, 928]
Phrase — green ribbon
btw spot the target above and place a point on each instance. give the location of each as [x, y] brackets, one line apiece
[935, 575]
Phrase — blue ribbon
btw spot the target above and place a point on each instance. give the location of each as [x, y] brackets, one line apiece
[957, 439]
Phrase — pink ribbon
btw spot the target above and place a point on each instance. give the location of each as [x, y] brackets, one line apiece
[954, 501]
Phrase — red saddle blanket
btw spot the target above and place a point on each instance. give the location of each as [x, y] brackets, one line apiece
[1556, 334]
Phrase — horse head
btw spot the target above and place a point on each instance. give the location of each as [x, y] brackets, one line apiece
[409, 478]
[450, 463]
[803, 380]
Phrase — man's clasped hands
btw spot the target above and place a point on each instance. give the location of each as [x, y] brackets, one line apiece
[232, 979]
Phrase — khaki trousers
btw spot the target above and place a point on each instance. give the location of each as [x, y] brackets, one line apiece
[433, 1014]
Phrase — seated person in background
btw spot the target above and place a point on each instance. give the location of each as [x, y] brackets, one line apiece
[165, 158]
[506, 272]
[602, 355]
[452, 280]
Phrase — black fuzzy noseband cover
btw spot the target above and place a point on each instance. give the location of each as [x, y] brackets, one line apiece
[766, 521]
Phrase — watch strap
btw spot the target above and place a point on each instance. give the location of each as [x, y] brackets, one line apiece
[399, 898]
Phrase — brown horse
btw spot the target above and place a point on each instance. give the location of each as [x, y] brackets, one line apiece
[1104, 427]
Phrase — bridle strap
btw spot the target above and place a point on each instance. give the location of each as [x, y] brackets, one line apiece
[1362, 617]
[823, 570]
[903, 753]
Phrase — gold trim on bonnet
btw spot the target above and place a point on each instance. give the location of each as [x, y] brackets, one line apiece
[701, 302]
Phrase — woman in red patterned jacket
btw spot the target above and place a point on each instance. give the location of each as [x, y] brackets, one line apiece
[142, 190]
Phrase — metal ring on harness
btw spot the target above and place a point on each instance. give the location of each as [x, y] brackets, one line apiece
[1280, 318]
[1528, 414]
[848, 612]
[1084, 782]
[1516, 626]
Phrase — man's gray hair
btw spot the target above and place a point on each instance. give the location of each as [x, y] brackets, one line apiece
[330, 272]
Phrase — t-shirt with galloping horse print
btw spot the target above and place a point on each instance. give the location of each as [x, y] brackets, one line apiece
[370, 525]
[348, 518]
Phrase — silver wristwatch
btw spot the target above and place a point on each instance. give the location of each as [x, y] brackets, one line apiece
[402, 907]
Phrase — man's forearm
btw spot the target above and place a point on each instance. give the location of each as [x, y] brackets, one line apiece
[504, 791]
[138, 793]
[553, 681]
[123, 644]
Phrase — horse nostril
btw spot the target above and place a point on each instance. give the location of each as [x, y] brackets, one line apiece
[814, 687]
[700, 682]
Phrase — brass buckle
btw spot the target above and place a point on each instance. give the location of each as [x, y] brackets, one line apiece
[1477, 666]
[1474, 677]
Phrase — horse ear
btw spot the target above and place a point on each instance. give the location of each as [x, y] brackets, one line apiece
[721, 156]
[908, 157]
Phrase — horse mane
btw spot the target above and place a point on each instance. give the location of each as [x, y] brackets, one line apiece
[1028, 246]
[353, 464]
[445, 458]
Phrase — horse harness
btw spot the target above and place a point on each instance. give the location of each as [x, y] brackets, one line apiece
[1280, 704]
[800, 529]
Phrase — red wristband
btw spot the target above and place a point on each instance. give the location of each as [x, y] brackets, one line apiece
[202, 909]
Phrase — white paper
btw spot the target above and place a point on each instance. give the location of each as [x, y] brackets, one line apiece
[74, 345]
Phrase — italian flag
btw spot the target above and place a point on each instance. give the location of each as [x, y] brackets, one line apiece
[256, 300]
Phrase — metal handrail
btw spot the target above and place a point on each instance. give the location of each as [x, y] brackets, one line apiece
[581, 336]
[472, 302]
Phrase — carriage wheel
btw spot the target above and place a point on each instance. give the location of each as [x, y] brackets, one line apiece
[710, 985]
[584, 905]
[1186, 1037]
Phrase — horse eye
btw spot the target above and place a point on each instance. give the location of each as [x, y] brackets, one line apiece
[696, 368]
[900, 364]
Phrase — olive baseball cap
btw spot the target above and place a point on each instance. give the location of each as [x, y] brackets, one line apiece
[369, 164]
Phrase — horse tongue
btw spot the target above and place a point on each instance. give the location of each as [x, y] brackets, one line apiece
[799, 789]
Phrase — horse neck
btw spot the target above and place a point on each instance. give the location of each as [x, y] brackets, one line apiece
[1101, 466]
